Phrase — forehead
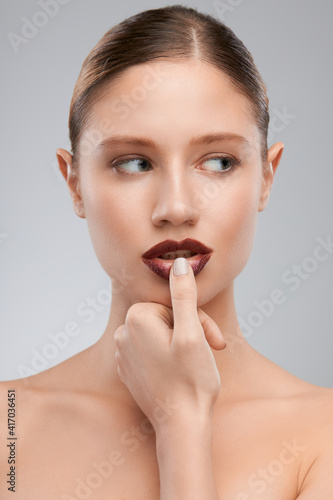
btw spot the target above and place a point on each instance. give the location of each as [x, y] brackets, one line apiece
[173, 100]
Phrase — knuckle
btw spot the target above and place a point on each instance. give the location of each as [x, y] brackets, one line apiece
[186, 344]
[183, 295]
[121, 374]
[117, 337]
[136, 315]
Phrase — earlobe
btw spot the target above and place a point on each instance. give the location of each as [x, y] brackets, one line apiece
[65, 162]
[273, 159]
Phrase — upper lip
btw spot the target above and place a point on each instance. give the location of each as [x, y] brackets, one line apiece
[168, 246]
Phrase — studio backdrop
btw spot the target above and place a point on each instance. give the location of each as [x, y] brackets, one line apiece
[55, 297]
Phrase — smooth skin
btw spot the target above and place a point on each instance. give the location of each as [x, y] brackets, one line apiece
[171, 402]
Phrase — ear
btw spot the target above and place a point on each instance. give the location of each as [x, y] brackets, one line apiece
[65, 162]
[273, 159]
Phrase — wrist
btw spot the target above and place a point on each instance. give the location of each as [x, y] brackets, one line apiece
[182, 425]
[184, 456]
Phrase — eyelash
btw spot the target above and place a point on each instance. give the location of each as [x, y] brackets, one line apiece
[234, 163]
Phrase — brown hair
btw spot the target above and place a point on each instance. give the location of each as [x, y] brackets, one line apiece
[170, 32]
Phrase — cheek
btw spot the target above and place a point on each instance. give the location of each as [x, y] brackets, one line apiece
[110, 218]
[236, 226]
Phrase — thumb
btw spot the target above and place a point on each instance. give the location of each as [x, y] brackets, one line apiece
[183, 289]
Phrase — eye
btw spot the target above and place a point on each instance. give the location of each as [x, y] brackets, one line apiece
[221, 164]
[132, 165]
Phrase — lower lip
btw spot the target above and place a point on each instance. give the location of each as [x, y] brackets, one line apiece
[162, 267]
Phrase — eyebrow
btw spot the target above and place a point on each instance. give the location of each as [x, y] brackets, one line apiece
[195, 141]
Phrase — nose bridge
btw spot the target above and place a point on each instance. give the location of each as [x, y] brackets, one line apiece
[175, 196]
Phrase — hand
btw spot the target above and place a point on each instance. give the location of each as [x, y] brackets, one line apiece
[163, 354]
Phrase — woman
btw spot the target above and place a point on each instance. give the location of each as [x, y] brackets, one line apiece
[169, 166]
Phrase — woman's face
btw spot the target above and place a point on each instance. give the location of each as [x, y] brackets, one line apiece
[179, 184]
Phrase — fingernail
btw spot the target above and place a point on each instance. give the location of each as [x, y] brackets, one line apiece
[180, 266]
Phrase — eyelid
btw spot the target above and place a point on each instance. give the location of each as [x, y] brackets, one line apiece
[213, 156]
[218, 156]
[115, 164]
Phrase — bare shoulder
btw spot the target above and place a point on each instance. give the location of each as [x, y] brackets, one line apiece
[26, 404]
[13, 397]
[315, 393]
[8, 394]
[299, 409]
[306, 401]
[311, 405]
[317, 479]
[27, 397]
[23, 388]
[316, 402]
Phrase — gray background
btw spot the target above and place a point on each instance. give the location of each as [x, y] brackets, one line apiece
[48, 266]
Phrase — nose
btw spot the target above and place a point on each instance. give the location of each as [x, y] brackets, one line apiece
[175, 200]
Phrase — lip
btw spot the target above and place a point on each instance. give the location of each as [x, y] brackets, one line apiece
[162, 267]
[172, 246]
